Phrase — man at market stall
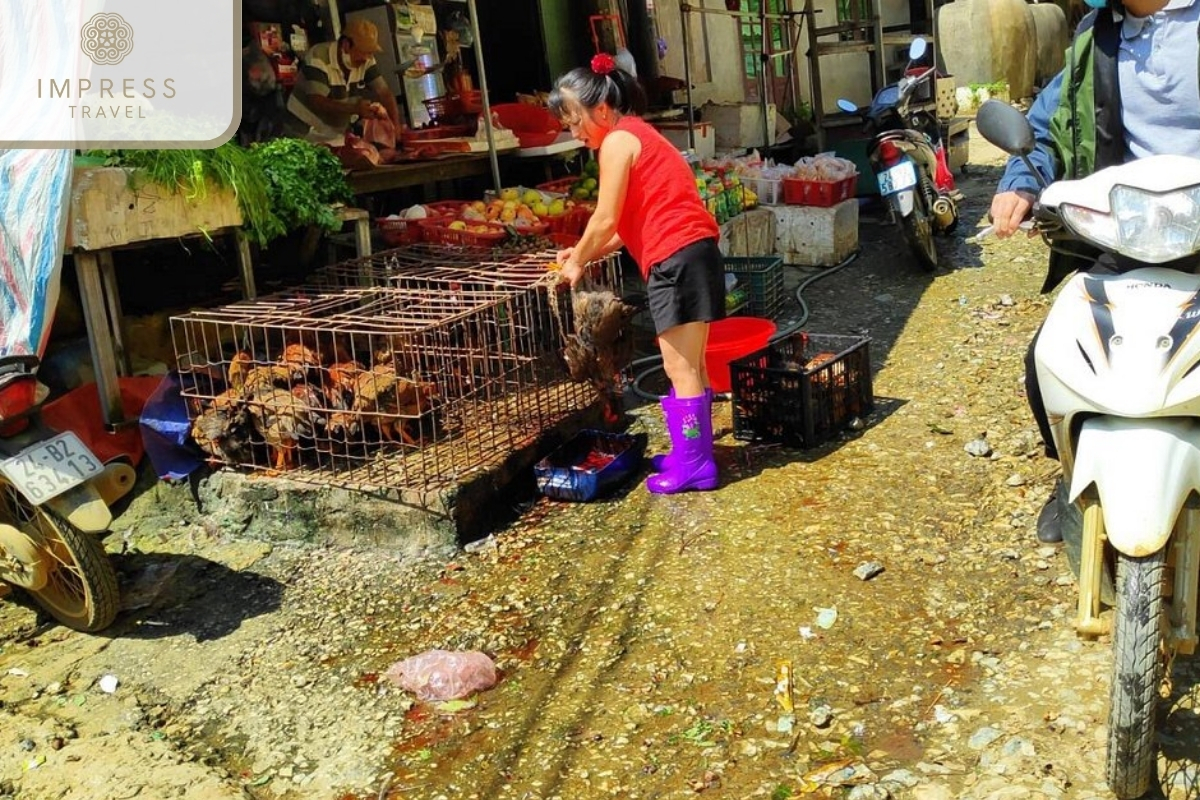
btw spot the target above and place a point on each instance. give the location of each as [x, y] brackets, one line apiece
[1129, 90]
[340, 82]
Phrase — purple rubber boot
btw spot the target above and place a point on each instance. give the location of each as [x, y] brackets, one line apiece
[691, 467]
[662, 461]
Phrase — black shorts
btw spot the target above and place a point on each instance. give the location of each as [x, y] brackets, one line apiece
[688, 286]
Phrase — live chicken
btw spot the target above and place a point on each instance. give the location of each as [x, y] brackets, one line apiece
[386, 400]
[282, 420]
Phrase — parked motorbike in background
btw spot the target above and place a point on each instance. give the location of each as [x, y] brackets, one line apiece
[54, 495]
[908, 158]
[1117, 364]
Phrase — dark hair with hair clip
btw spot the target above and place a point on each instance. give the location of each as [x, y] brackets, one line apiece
[617, 88]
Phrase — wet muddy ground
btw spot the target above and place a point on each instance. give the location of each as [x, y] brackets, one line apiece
[639, 638]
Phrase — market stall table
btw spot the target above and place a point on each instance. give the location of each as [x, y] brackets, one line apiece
[106, 214]
[417, 173]
[565, 147]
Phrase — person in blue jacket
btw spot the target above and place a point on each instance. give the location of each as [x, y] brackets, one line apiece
[1130, 89]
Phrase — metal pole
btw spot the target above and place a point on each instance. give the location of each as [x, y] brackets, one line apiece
[684, 8]
[764, 63]
[335, 21]
[483, 88]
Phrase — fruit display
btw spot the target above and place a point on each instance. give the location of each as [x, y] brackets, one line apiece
[514, 211]
[583, 188]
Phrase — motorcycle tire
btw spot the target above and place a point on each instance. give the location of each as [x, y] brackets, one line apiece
[918, 232]
[81, 591]
[1137, 674]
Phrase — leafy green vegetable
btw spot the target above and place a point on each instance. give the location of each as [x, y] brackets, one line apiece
[304, 179]
[280, 186]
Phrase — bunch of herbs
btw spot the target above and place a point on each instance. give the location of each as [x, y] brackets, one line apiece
[305, 180]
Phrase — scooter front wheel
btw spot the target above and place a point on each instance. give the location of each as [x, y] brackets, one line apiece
[1137, 674]
[75, 582]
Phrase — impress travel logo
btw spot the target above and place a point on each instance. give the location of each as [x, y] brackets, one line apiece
[106, 38]
[119, 73]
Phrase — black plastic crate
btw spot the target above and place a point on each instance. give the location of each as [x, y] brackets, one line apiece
[801, 390]
[762, 276]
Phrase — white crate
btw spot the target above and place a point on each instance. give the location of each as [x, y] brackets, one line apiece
[770, 192]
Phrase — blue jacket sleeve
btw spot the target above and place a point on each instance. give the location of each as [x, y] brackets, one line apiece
[1017, 176]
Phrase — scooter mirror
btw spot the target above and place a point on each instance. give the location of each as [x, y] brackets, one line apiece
[847, 106]
[1005, 127]
[916, 50]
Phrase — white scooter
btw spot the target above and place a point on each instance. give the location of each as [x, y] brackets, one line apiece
[1118, 361]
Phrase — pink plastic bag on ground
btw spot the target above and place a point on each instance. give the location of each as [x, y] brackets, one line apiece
[444, 675]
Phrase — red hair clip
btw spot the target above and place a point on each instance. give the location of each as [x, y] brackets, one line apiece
[602, 64]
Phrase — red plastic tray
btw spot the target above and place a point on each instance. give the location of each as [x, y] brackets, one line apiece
[821, 194]
[438, 231]
[397, 232]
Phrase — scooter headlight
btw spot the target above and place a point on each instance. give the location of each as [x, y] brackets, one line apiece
[1148, 227]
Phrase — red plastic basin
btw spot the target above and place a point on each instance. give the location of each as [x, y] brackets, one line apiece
[730, 338]
[534, 126]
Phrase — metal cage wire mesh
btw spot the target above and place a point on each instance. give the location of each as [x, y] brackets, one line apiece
[410, 369]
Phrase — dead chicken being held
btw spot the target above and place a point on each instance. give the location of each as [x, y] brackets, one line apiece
[386, 400]
[601, 349]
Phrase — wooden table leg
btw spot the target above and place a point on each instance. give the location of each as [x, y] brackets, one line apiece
[116, 319]
[246, 264]
[362, 237]
[100, 338]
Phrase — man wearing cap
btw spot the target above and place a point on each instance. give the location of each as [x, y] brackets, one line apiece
[338, 82]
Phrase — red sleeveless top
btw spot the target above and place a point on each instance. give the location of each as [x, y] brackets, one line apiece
[663, 212]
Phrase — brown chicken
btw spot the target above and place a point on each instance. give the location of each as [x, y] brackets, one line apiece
[241, 363]
[282, 419]
[601, 348]
[338, 384]
[299, 360]
[265, 376]
[222, 430]
[386, 400]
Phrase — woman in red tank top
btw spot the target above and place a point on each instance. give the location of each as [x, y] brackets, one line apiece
[648, 203]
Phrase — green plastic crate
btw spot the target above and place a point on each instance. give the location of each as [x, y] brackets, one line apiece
[762, 277]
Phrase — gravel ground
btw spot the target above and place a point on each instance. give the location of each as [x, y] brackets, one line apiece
[639, 639]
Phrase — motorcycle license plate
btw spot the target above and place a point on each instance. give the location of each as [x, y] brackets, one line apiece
[898, 178]
[51, 467]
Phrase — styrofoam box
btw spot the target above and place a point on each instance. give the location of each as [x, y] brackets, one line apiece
[739, 125]
[677, 134]
[816, 237]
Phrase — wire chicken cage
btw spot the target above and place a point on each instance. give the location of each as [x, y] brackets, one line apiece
[407, 370]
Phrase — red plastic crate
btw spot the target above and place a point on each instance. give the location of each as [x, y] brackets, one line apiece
[446, 208]
[559, 185]
[573, 221]
[823, 194]
[438, 231]
[397, 232]
[534, 229]
[563, 240]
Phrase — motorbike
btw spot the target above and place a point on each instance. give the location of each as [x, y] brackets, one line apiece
[1117, 361]
[908, 158]
[54, 505]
